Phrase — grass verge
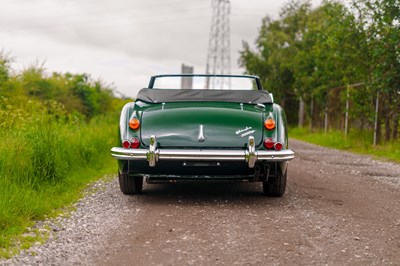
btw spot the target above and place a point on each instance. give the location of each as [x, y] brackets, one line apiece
[356, 141]
[45, 164]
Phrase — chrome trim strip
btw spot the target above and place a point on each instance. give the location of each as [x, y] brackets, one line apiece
[199, 155]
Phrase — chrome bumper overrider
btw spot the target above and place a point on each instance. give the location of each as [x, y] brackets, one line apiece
[152, 155]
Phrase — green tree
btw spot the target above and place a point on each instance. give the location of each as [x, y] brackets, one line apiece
[333, 56]
[276, 45]
[380, 20]
[330, 57]
[95, 97]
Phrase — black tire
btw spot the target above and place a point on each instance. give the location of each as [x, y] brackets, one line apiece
[130, 185]
[276, 185]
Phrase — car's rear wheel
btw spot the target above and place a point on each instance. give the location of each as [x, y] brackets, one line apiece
[130, 185]
[276, 185]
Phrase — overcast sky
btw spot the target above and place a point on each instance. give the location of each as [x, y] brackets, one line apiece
[122, 42]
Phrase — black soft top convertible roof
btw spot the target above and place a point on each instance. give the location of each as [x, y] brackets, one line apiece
[190, 95]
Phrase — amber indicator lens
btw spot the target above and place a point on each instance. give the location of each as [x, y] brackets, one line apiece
[134, 123]
[135, 143]
[269, 123]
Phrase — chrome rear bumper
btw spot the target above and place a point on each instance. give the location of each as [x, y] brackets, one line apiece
[152, 155]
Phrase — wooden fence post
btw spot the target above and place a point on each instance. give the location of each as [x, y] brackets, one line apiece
[376, 119]
[346, 121]
[312, 113]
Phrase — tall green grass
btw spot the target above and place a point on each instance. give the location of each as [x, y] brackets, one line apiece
[357, 141]
[46, 159]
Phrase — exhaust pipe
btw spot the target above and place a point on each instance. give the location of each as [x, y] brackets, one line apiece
[266, 172]
[257, 170]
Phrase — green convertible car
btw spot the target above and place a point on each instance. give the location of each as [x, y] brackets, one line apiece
[203, 127]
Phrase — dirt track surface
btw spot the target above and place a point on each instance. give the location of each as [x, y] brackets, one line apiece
[339, 209]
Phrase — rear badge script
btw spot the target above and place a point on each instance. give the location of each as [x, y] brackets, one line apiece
[245, 132]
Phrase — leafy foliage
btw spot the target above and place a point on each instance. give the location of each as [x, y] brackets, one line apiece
[330, 55]
[78, 93]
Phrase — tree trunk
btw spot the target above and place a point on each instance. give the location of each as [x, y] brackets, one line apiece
[326, 125]
[283, 102]
[301, 113]
[377, 126]
[387, 126]
[396, 125]
[388, 114]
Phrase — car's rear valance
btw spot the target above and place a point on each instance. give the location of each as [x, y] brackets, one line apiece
[186, 95]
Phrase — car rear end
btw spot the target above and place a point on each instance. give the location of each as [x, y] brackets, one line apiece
[166, 139]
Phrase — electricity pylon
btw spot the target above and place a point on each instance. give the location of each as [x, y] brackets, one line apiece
[219, 50]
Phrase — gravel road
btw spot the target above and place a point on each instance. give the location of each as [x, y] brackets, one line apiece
[339, 209]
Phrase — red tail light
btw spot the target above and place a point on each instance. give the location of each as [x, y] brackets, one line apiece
[135, 143]
[278, 146]
[269, 143]
[126, 144]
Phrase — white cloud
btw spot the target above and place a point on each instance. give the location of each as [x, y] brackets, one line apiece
[122, 41]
